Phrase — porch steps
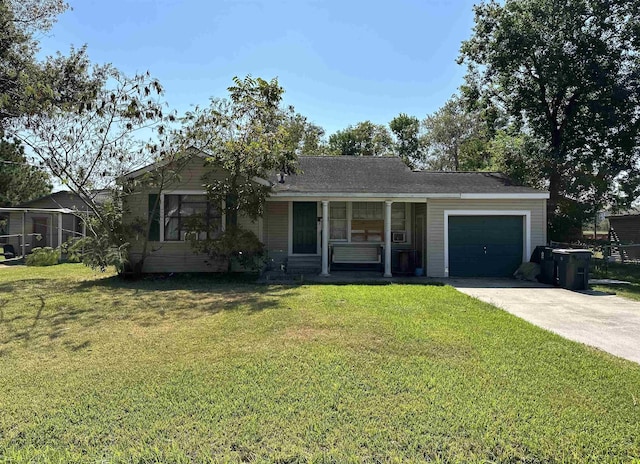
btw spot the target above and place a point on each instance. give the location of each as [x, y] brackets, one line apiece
[297, 265]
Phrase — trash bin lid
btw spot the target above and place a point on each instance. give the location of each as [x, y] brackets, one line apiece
[569, 251]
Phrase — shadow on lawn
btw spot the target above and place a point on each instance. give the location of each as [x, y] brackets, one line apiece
[53, 306]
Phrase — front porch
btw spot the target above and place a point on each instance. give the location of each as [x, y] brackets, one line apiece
[368, 236]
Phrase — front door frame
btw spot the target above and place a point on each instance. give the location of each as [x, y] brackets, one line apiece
[526, 252]
[290, 231]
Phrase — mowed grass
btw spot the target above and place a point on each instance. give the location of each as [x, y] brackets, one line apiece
[205, 370]
[619, 271]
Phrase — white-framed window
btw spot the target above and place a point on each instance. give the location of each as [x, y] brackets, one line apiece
[179, 209]
[367, 210]
[338, 220]
[398, 217]
[367, 222]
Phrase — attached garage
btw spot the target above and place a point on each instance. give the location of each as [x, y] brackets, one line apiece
[483, 244]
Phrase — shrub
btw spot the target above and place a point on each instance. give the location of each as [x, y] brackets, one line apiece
[106, 242]
[45, 256]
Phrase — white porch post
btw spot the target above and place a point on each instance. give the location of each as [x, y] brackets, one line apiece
[387, 239]
[60, 234]
[24, 235]
[325, 238]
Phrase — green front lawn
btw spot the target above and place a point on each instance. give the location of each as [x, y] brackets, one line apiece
[190, 370]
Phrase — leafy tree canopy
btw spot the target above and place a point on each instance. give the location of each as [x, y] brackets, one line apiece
[247, 137]
[19, 181]
[408, 143]
[363, 139]
[28, 85]
[568, 74]
[456, 138]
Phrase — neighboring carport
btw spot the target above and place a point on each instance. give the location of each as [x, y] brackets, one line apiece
[607, 322]
[21, 234]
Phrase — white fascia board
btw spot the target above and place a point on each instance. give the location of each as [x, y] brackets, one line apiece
[505, 196]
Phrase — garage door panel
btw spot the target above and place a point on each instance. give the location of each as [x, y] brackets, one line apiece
[485, 246]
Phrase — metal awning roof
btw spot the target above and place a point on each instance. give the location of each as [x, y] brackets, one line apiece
[37, 210]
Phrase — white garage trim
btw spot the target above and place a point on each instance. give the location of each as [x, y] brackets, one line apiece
[526, 252]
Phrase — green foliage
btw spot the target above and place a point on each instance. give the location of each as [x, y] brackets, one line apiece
[202, 369]
[566, 74]
[245, 137]
[456, 138]
[98, 142]
[107, 241]
[45, 256]
[19, 181]
[302, 137]
[233, 245]
[363, 139]
[29, 86]
[408, 142]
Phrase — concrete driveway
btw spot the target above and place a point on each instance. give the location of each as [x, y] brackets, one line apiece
[607, 322]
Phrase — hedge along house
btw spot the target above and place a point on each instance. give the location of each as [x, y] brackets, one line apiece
[353, 213]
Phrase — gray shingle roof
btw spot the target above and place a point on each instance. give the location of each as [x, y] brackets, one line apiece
[348, 174]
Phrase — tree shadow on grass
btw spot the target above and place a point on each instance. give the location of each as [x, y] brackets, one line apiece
[49, 309]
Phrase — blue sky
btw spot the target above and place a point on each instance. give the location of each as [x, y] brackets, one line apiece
[340, 62]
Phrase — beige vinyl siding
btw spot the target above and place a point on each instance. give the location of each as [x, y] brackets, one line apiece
[435, 224]
[276, 231]
[174, 256]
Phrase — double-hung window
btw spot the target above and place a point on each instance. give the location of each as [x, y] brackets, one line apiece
[182, 212]
[367, 222]
[338, 221]
[398, 217]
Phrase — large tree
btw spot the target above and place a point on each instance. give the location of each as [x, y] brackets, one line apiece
[408, 140]
[19, 180]
[248, 137]
[455, 138]
[363, 139]
[303, 137]
[88, 149]
[29, 85]
[568, 73]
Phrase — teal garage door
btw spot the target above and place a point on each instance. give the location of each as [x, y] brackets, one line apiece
[485, 246]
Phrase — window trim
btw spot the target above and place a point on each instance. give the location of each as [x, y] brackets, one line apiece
[223, 215]
[407, 223]
[347, 227]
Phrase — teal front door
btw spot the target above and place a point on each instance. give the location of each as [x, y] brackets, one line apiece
[485, 246]
[305, 229]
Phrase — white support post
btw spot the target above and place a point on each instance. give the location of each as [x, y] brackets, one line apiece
[24, 234]
[325, 238]
[60, 233]
[387, 239]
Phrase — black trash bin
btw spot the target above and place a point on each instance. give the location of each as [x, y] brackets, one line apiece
[543, 255]
[572, 268]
